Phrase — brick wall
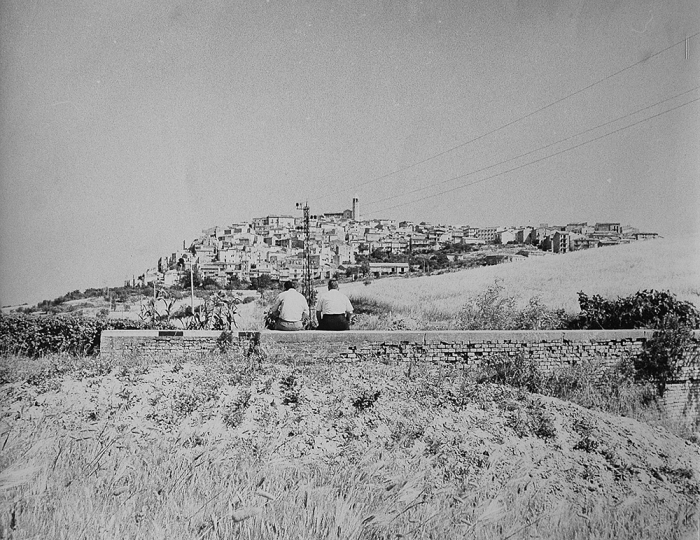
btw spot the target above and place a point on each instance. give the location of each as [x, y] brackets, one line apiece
[162, 342]
[551, 349]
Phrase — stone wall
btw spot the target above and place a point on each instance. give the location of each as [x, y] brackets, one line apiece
[550, 349]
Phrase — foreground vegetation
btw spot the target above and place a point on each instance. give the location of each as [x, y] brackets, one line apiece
[272, 447]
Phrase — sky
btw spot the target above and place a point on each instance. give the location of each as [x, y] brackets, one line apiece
[128, 127]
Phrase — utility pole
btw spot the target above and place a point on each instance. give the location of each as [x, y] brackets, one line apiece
[410, 255]
[307, 286]
[191, 287]
[193, 253]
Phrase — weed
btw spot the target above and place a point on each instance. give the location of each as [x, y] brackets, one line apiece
[542, 423]
[290, 390]
[233, 415]
[587, 443]
[128, 396]
[515, 370]
[365, 400]
[684, 473]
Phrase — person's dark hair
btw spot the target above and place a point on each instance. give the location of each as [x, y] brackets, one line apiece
[332, 284]
[288, 285]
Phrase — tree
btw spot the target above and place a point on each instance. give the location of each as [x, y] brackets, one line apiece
[261, 283]
[235, 283]
[210, 283]
[365, 268]
[378, 254]
[185, 279]
[352, 272]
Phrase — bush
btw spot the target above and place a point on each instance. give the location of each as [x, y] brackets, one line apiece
[672, 319]
[492, 310]
[644, 309]
[38, 336]
[362, 305]
[663, 354]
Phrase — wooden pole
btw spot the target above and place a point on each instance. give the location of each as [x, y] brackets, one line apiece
[192, 287]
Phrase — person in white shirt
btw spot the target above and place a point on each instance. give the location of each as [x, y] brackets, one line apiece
[334, 309]
[290, 309]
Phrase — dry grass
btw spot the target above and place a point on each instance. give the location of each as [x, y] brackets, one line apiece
[663, 264]
[217, 448]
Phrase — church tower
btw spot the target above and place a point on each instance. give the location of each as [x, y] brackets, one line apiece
[356, 208]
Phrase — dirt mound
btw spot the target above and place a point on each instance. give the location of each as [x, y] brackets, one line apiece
[496, 454]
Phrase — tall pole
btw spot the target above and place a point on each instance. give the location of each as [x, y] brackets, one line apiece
[307, 287]
[307, 255]
[191, 287]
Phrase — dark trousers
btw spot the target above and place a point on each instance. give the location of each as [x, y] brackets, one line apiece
[334, 322]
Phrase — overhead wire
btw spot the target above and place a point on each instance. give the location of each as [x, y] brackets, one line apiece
[519, 156]
[511, 123]
[534, 161]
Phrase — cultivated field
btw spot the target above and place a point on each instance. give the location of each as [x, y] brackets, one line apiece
[663, 264]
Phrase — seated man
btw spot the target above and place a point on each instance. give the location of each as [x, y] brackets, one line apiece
[334, 309]
[290, 309]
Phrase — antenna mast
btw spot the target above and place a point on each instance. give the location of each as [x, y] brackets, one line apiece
[307, 286]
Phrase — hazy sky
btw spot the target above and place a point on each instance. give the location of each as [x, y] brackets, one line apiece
[129, 126]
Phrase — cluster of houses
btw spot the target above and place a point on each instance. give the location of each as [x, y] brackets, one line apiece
[274, 245]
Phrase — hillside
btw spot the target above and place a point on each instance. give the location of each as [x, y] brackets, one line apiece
[663, 264]
[217, 447]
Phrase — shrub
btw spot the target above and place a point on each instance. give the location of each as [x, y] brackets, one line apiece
[362, 305]
[663, 353]
[644, 309]
[38, 336]
[537, 316]
[672, 319]
[492, 310]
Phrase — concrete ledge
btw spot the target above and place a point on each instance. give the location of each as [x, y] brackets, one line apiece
[453, 336]
[161, 333]
[459, 336]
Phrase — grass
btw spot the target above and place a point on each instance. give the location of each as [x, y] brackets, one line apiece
[217, 447]
[663, 264]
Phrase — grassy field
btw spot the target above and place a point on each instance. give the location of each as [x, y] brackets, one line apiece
[220, 446]
[663, 264]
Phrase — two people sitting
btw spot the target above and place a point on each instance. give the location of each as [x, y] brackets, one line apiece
[291, 310]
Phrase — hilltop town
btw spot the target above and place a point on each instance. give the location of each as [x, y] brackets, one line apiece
[344, 244]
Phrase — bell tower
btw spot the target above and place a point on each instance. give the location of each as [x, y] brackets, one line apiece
[356, 208]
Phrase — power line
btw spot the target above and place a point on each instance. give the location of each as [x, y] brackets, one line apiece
[423, 188]
[533, 162]
[512, 122]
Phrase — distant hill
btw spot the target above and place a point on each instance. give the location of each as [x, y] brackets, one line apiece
[662, 264]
